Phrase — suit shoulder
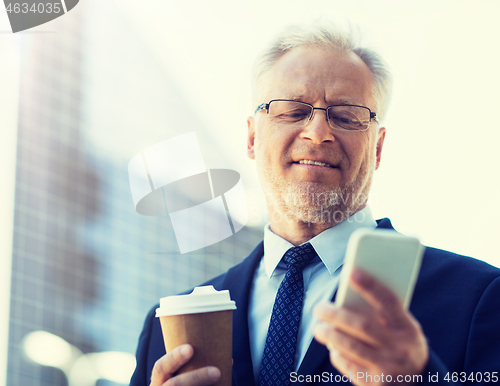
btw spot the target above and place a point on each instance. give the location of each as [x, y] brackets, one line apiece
[454, 264]
[450, 274]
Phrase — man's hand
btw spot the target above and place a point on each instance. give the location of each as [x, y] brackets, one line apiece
[386, 339]
[165, 368]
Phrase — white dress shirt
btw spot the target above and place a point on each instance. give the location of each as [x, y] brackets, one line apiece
[321, 278]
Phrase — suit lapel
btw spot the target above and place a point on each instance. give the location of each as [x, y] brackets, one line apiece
[238, 281]
[317, 354]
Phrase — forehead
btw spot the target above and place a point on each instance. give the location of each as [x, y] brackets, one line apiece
[317, 75]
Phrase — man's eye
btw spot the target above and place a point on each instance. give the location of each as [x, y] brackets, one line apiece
[346, 119]
[293, 115]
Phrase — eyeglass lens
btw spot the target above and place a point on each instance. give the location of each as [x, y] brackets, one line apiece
[294, 113]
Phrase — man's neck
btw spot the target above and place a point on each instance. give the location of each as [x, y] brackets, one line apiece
[298, 232]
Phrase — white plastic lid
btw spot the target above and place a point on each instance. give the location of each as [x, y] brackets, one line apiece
[202, 299]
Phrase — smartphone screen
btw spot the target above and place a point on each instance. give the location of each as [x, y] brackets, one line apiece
[392, 258]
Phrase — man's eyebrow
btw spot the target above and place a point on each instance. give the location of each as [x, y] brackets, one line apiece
[295, 97]
[331, 102]
[342, 101]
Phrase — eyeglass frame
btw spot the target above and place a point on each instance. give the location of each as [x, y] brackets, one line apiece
[373, 115]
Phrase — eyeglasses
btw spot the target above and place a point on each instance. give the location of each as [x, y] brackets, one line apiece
[296, 114]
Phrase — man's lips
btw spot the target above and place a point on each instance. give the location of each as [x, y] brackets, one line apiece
[314, 163]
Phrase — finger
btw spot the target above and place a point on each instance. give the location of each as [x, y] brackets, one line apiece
[347, 367]
[362, 326]
[347, 345]
[167, 365]
[200, 377]
[379, 297]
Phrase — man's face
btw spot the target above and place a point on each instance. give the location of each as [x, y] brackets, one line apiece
[308, 192]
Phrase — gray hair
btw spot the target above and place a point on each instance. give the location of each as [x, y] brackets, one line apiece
[329, 37]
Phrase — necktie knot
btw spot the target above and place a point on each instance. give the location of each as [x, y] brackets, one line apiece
[300, 256]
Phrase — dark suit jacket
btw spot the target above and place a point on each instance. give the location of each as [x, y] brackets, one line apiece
[456, 300]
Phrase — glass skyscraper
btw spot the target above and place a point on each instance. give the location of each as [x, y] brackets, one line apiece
[86, 267]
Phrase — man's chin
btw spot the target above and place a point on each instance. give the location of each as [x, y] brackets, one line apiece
[310, 202]
[320, 206]
[314, 198]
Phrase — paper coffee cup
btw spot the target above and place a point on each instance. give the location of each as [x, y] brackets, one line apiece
[204, 319]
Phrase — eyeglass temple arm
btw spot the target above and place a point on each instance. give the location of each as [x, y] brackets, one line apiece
[262, 106]
[372, 116]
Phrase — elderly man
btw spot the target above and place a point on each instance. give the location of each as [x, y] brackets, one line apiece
[317, 138]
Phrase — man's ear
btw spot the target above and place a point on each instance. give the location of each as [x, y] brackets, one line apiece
[251, 138]
[380, 144]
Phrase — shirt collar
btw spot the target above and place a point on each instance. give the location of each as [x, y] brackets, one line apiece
[330, 244]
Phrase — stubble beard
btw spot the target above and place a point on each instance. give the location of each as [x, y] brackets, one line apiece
[310, 202]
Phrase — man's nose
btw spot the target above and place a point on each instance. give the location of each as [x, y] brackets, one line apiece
[318, 130]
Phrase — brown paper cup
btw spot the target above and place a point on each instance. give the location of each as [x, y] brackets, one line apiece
[210, 334]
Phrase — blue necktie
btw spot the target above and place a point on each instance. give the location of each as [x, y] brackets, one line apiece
[281, 342]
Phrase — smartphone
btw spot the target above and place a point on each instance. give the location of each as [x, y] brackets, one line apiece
[390, 257]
